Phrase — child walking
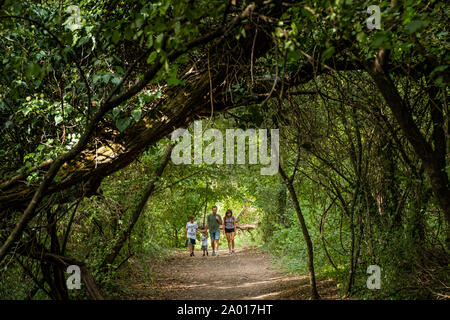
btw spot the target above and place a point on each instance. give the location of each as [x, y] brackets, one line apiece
[191, 233]
[205, 243]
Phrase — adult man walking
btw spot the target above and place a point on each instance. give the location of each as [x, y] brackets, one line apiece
[213, 223]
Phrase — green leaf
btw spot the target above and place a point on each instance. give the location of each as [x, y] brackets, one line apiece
[166, 65]
[106, 77]
[115, 79]
[136, 114]
[328, 53]
[58, 119]
[173, 81]
[33, 70]
[74, 26]
[415, 26]
[115, 36]
[152, 57]
[123, 123]
[380, 40]
[139, 22]
[159, 40]
[96, 78]
[9, 124]
[115, 111]
[361, 37]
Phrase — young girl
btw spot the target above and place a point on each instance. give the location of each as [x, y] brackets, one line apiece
[205, 243]
[230, 227]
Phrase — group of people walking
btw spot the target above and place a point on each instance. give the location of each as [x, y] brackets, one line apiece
[214, 223]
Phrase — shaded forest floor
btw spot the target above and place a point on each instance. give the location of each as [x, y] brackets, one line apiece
[248, 274]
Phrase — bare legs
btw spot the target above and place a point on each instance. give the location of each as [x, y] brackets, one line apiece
[230, 239]
[215, 245]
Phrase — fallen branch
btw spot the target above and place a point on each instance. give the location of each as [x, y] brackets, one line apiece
[243, 227]
[247, 227]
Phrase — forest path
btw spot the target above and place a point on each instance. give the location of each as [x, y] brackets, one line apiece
[248, 274]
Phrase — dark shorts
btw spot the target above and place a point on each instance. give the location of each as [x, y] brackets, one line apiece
[192, 241]
[229, 230]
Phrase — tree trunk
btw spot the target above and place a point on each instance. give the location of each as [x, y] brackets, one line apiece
[301, 219]
[109, 259]
[432, 159]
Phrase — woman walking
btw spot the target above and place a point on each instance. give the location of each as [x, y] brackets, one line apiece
[230, 227]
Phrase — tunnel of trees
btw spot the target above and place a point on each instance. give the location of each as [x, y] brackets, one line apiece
[91, 91]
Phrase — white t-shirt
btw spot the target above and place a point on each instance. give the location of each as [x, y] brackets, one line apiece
[191, 229]
[204, 241]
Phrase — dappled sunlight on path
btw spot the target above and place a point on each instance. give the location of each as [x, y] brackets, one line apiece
[248, 274]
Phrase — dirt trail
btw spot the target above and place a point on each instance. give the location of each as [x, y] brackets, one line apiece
[248, 274]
